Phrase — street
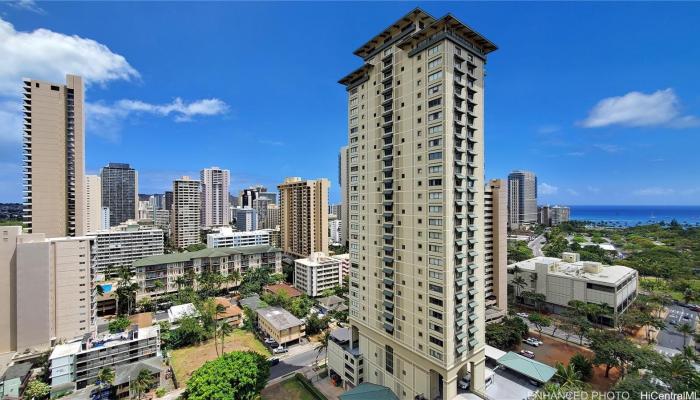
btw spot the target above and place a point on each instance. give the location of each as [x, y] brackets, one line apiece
[292, 362]
[536, 245]
[560, 334]
[669, 337]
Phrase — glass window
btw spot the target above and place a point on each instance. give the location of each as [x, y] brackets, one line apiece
[435, 76]
[435, 129]
[435, 155]
[435, 62]
[434, 89]
[434, 50]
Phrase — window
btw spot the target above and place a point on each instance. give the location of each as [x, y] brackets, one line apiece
[435, 248]
[435, 63]
[436, 275]
[353, 111]
[435, 327]
[434, 89]
[436, 314]
[435, 155]
[434, 116]
[435, 221]
[434, 182]
[436, 341]
[436, 169]
[353, 121]
[353, 101]
[435, 261]
[435, 195]
[434, 50]
[435, 130]
[435, 301]
[435, 288]
[387, 51]
[435, 76]
[353, 130]
[435, 209]
[434, 142]
[435, 235]
[435, 102]
[389, 359]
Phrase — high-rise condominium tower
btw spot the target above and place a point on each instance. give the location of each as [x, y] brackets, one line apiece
[120, 192]
[343, 178]
[215, 205]
[495, 249]
[522, 198]
[93, 203]
[304, 216]
[185, 214]
[416, 224]
[54, 157]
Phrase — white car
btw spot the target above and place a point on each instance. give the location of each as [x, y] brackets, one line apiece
[532, 342]
[269, 340]
[279, 350]
[464, 382]
[523, 315]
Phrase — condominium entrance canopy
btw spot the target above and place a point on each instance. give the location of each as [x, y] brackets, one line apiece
[494, 353]
[369, 391]
[532, 369]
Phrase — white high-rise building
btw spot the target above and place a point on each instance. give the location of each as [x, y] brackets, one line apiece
[185, 215]
[416, 209]
[522, 198]
[122, 245]
[93, 203]
[215, 197]
[227, 237]
[316, 273]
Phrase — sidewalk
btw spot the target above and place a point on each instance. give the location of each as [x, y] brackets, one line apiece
[559, 334]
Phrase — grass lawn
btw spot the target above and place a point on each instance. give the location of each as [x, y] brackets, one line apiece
[291, 389]
[188, 359]
[661, 285]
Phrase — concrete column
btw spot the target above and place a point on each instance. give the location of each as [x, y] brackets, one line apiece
[477, 385]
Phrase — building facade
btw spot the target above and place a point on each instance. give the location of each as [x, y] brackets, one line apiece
[93, 203]
[185, 216]
[158, 275]
[316, 273]
[416, 215]
[54, 157]
[227, 237]
[335, 226]
[562, 280]
[522, 198]
[280, 325]
[246, 219]
[47, 293]
[553, 215]
[343, 178]
[121, 246]
[272, 218]
[304, 216]
[120, 192]
[215, 206]
[495, 249]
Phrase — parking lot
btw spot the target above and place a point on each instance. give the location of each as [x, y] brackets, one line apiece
[669, 337]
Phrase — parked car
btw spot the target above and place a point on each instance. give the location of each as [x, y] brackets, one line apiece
[269, 340]
[523, 315]
[527, 353]
[673, 322]
[274, 361]
[464, 382]
[686, 316]
[533, 342]
[279, 350]
[273, 345]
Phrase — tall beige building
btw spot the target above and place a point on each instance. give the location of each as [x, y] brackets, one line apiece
[304, 216]
[416, 223]
[54, 157]
[186, 212]
[215, 197]
[343, 177]
[495, 249]
[48, 296]
[93, 203]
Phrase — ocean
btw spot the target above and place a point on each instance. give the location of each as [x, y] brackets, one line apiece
[636, 215]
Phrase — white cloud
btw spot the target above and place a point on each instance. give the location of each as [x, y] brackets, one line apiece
[28, 5]
[106, 119]
[654, 191]
[636, 109]
[608, 148]
[546, 188]
[47, 55]
[572, 192]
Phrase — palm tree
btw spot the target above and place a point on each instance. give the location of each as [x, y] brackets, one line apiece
[685, 330]
[568, 376]
[144, 380]
[519, 284]
[99, 290]
[105, 378]
[180, 281]
[235, 277]
[323, 346]
[688, 295]
[225, 329]
[690, 354]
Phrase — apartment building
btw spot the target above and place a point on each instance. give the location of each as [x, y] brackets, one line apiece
[335, 227]
[47, 293]
[215, 201]
[122, 245]
[343, 179]
[184, 218]
[246, 218]
[416, 214]
[495, 249]
[316, 273]
[247, 196]
[304, 216]
[158, 275]
[120, 192]
[522, 198]
[553, 215]
[568, 278]
[344, 263]
[93, 203]
[227, 237]
[280, 325]
[272, 217]
[76, 365]
[344, 359]
[54, 157]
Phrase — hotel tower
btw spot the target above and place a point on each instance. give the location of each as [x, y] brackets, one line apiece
[416, 206]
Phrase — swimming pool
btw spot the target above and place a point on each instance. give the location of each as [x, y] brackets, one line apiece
[107, 287]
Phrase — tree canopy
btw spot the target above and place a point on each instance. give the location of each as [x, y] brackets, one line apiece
[234, 375]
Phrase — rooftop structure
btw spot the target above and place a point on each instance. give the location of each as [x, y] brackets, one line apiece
[227, 237]
[279, 288]
[317, 273]
[178, 312]
[280, 325]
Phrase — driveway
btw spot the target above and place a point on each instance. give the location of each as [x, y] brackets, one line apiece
[536, 245]
[299, 356]
[669, 338]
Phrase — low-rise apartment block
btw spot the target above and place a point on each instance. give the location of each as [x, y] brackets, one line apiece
[122, 245]
[158, 275]
[564, 279]
[227, 237]
[317, 273]
[76, 365]
[344, 358]
[281, 325]
[344, 263]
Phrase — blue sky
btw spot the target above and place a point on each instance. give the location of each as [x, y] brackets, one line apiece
[601, 100]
